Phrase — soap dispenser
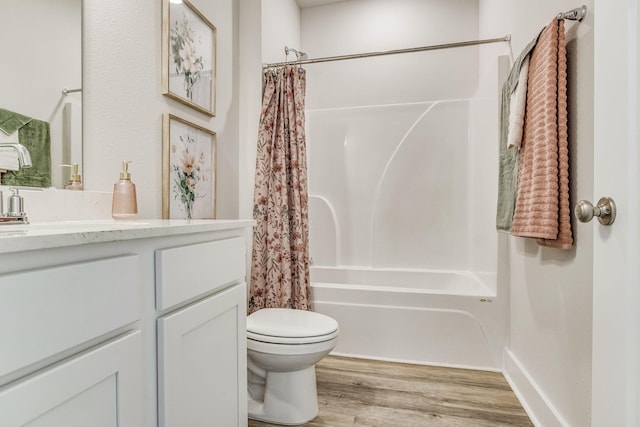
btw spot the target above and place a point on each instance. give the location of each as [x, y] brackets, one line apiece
[125, 203]
[75, 181]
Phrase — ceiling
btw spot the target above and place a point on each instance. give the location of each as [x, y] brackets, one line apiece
[312, 3]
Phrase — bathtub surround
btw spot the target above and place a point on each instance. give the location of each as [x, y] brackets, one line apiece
[394, 164]
[280, 259]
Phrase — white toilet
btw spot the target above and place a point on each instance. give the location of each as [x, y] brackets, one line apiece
[283, 346]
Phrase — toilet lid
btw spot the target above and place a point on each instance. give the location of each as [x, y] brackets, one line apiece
[289, 323]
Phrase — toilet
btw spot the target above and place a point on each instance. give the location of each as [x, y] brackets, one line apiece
[283, 346]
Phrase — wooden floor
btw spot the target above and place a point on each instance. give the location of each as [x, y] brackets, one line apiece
[357, 392]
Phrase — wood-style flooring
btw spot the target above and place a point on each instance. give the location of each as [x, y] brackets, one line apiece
[358, 392]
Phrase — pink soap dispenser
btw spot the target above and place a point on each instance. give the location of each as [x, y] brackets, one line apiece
[125, 203]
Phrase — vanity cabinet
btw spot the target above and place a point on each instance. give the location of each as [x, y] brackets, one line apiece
[202, 346]
[59, 354]
[142, 326]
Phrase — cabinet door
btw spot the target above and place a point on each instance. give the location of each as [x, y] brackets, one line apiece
[202, 361]
[102, 387]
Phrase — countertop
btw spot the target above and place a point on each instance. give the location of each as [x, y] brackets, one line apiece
[44, 235]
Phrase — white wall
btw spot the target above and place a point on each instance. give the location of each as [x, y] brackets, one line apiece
[123, 101]
[266, 27]
[280, 28]
[548, 359]
[250, 68]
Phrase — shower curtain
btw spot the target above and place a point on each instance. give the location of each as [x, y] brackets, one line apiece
[280, 258]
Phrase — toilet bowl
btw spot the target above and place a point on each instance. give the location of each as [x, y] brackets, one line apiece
[283, 346]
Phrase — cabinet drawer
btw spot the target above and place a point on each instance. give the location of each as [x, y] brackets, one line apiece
[188, 271]
[44, 312]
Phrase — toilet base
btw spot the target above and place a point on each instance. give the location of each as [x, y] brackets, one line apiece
[290, 398]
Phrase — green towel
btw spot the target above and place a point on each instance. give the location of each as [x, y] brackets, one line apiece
[34, 135]
[508, 160]
[11, 122]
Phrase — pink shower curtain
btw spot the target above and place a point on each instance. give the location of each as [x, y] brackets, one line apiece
[280, 258]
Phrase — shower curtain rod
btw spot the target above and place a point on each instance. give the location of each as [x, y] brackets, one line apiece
[506, 38]
[576, 14]
[66, 91]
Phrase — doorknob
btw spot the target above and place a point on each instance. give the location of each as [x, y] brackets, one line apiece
[605, 211]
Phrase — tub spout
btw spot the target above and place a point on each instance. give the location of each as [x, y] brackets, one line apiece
[24, 158]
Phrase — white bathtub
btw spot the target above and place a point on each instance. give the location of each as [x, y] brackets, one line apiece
[445, 318]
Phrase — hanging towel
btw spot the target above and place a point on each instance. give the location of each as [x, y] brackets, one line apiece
[33, 134]
[11, 122]
[542, 204]
[517, 106]
[508, 160]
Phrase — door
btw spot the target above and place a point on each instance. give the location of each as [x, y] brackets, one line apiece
[99, 388]
[616, 294]
[202, 362]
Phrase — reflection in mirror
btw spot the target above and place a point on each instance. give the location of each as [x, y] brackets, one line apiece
[42, 56]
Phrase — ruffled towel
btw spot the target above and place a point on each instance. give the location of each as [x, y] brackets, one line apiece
[542, 204]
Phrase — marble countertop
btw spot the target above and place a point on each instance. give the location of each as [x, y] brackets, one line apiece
[43, 235]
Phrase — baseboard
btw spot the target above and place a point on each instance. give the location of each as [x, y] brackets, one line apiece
[539, 408]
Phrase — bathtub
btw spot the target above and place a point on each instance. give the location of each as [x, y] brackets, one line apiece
[445, 318]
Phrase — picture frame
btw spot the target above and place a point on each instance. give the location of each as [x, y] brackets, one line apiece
[189, 56]
[188, 170]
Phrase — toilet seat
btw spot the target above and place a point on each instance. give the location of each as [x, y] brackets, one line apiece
[288, 326]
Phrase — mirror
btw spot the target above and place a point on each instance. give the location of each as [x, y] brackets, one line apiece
[41, 57]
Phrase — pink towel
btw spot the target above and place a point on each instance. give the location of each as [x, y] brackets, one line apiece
[542, 204]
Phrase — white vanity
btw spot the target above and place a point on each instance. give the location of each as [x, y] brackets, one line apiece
[136, 323]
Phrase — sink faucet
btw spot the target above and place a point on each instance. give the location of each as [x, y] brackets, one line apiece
[15, 213]
[24, 158]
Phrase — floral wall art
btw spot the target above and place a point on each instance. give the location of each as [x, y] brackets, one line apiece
[189, 56]
[188, 173]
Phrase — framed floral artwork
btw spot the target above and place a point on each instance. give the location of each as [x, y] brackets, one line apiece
[188, 171]
[189, 56]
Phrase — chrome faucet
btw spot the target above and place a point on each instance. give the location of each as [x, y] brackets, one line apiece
[24, 158]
